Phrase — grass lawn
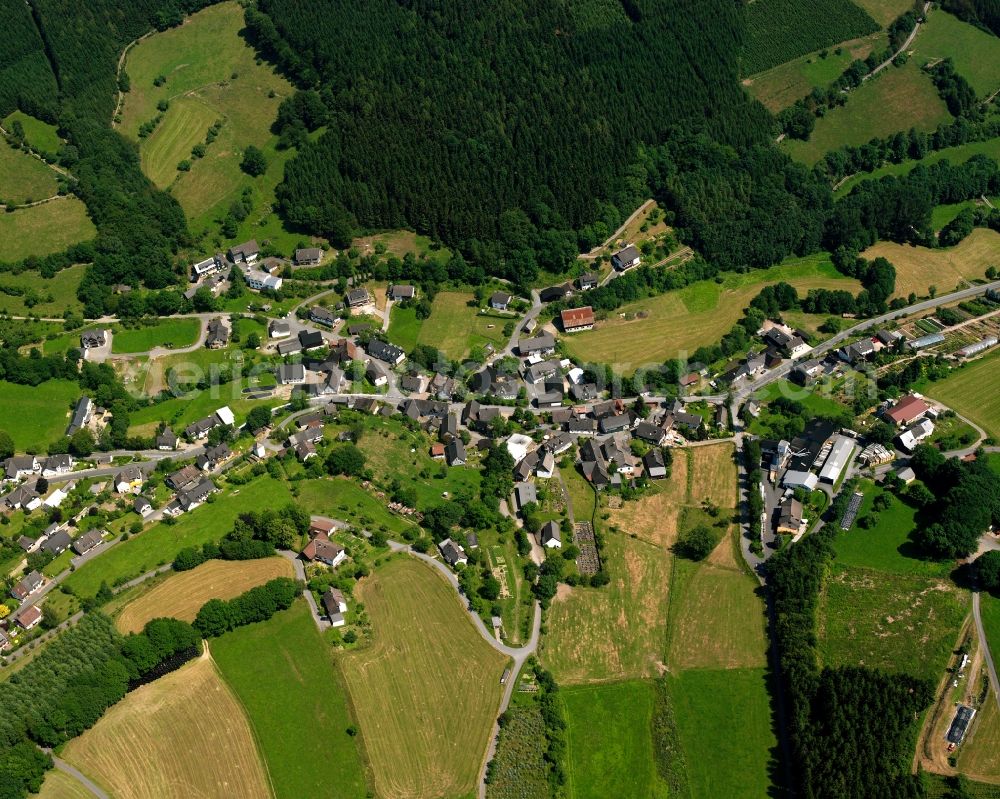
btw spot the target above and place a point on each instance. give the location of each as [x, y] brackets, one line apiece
[678, 322]
[283, 674]
[24, 178]
[44, 229]
[972, 391]
[161, 542]
[899, 622]
[182, 735]
[42, 412]
[918, 268]
[897, 99]
[55, 294]
[40, 135]
[724, 722]
[165, 333]
[404, 327]
[975, 52]
[943, 214]
[344, 499]
[609, 746]
[426, 690]
[455, 327]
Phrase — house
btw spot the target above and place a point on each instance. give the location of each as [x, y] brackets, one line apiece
[455, 452]
[57, 464]
[584, 392]
[545, 466]
[183, 478]
[4, 641]
[18, 466]
[335, 606]
[93, 338]
[200, 429]
[323, 316]
[83, 411]
[583, 426]
[626, 258]
[310, 434]
[310, 339]
[389, 353]
[376, 373]
[908, 409]
[30, 617]
[650, 433]
[653, 463]
[545, 344]
[414, 383]
[555, 293]
[305, 450]
[858, 351]
[308, 256]
[212, 457]
[129, 480]
[397, 293]
[87, 542]
[30, 583]
[57, 542]
[576, 319]
[167, 440]
[437, 450]
[538, 372]
[218, 335]
[209, 266]
[524, 493]
[29, 545]
[453, 554]
[23, 497]
[358, 297]
[193, 497]
[449, 427]
[291, 374]
[612, 424]
[245, 253]
[790, 516]
[142, 506]
[915, 433]
[907, 475]
[262, 281]
[499, 300]
[889, 337]
[549, 535]
[55, 499]
[278, 329]
[589, 281]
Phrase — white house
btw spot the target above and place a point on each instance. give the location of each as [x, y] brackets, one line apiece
[258, 280]
[914, 434]
[549, 535]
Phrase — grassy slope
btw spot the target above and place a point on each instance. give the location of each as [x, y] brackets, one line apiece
[42, 412]
[404, 327]
[44, 229]
[24, 178]
[58, 785]
[61, 288]
[165, 333]
[885, 11]
[40, 135]
[975, 52]
[455, 327]
[972, 391]
[282, 672]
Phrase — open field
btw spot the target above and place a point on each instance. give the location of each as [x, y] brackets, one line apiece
[885, 11]
[399, 243]
[713, 473]
[62, 786]
[23, 178]
[898, 622]
[972, 391]
[455, 327]
[975, 52]
[655, 517]
[282, 672]
[44, 229]
[979, 756]
[724, 721]
[678, 322]
[341, 498]
[918, 268]
[426, 690]
[40, 135]
[404, 327]
[165, 333]
[182, 735]
[609, 746]
[897, 99]
[42, 412]
[181, 595]
[615, 632]
[56, 294]
[161, 542]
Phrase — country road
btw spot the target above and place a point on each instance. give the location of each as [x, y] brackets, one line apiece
[902, 48]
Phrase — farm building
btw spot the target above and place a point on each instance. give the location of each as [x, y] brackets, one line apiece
[960, 724]
[925, 341]
[575, 319]
[790, 516]
[908, 409]
[799, 479]
[977, 347]
[837, 460]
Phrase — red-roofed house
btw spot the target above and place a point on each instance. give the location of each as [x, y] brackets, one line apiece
[319, 526]
[908, 409]
[325, 551]
[574, 319]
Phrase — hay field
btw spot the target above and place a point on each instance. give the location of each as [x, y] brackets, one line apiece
[713, 474]
[918, 268]
[181, 595]
[427, 689]
[181, 736]
[973, 391]
[58, 785]
[44, 229]
[655, 517]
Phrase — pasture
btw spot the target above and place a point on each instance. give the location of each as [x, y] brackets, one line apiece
[404, 327]
[975, 52]
[23, 178]
[399, 243]
[972, 391]
[44, 229]
[40, 135]
[897, 99]
[427, 688]
[181, 595]
[182, 735]
[283, 675]
[676, 323]
[455, 327]
[608, 741]
[724, 724]
[52, 295]
[898, 622]
[42, 412]
[168, 333]
[918, 268]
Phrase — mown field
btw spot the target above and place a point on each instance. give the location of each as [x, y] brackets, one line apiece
[918, 268]
[282, 672]
[165, 333]
[40, 135]
[975, 52]
[42, 412]
[341, 498]
[182, 735]
[44, 229]
[979, 755]
[426, 690]
[972, 391]
[678, 322]
[56, 294]
[181, 595]
[23, 178]
[404, 327]
[455, 327]
[58, 785]
[897, 99]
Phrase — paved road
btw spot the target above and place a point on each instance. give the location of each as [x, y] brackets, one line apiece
[994, 682]
[907, 43]
[85, 781]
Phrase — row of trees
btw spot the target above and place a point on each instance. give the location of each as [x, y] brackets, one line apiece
[218, 616]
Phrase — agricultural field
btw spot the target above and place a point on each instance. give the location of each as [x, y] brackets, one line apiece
[293, 693]
[44, 229]
[898, 99]
[58, 785]
[780, 30]
[609, 745]
[918, 268]
[40, 135]
[975, 52]
[455, 327]
[52, 296]
[167, 333]
[404, 327]
[24, 178]
[972, 391]
[182, 735]
[979, 755]
[181, 595]
[426, 690]
[43, 412]
[656, 516]
[671, 325]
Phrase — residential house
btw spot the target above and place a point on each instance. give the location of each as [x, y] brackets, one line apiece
[551, 394]
[142, 506]
[589, 281]
[576, 319]
[57, 542]
[218, 334]
[626, 258]
[584, 392]
[309, 340]
[323, 316]
[612, 424]
[24, 497]
[357, 298]
[245, 253]
[915, 433]
[524, 493]
[83, 411]
[208, 266]
[88, 541]
[650, 433]
[305, 451]
[453, 553]
[537, 372]
[28, 618]
[279, 329]
[401, 292]
[389, 353]
[167, 440]
[93, 338]
[29, 545]
[550, 535]
[653, 464]
[335, 606]
[56, 498]
[321, 527]
[200, 429]
[544, 344]
[212, 457]
[583, 426]
[555, 293]
[4, 641]
[377, 373]
[129, 480]
[499, 300]
[413, 383]
[30, 583]
[455, 452]
[291, 374]
[321, 549]
[308, 256]
[449, 427]
[790, 516]
[437, 451]
[19, 466]
[858, 351]
[56, 465]
[184, 478]
[262, 281]
[195, 496]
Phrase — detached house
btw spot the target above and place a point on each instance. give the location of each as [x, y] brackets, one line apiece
[129, 480]
[218, 335]
[654, 464]
[626, 258]
[92, 339]
[358, 297]
[20, 466]
[577, 319]
[308, 256]
[397, 293]
[82, 414]
[30, 583]
[323, 316]
[56, 465]
[87, 542]
[323, 550]
[335, 606]
[499, 300]
[550, 535]
[389, 353]
[453, 553]
[245, 253]
[167, 440]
